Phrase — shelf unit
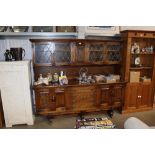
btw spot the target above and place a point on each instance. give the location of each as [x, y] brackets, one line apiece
[139, 95]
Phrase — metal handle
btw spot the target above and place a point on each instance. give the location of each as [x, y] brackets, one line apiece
[23, 53]
[53, 98]
[105, 88]
[139, 96]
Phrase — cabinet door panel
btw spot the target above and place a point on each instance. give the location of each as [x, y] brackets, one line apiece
[131, 96]
[60, 97]
[62, 53]
[45, 100]
[96, 53]
[106, 96]
[43, 54]
[81, 98]
[118, 95]
[145, 95]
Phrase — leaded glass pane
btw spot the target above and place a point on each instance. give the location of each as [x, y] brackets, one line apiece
[96, 52]
[114, 52]
[43, 52]
[62, 53]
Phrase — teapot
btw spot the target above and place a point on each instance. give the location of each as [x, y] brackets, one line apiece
[83, 75]
[8, 55]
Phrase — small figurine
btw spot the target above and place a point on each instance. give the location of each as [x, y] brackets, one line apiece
[49, 76]
[55, 77]
[135, 49]
[41, 80]
[151, 49]
[63, 78]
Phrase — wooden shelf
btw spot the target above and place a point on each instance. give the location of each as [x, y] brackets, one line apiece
[139, 68]
[80, 64]
[143, 54]
[33, 35]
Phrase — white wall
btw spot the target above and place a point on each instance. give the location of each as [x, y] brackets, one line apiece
[137, 28]
[8, 43]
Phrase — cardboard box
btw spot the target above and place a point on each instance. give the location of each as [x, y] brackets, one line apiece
[117, 77]
[134, 76]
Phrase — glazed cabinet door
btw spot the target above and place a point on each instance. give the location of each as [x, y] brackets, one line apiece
[45, 100]
[97, 53]
[62, 53]
[43, 53]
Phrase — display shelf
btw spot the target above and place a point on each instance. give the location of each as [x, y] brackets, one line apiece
[143, 54]
[140, 68]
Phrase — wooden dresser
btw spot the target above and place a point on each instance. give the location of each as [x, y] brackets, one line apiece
[70, 55]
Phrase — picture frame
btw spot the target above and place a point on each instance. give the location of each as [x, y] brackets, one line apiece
[102, 30]
[65, 28]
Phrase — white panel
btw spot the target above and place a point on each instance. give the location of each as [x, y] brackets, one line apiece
[15, 92]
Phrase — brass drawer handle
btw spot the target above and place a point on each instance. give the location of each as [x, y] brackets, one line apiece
[105, 88]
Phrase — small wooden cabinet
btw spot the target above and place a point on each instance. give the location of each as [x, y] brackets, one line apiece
[49, 99]
[138, 97]
[45, 100]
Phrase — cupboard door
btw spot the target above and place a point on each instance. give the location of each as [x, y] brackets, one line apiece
[45, 100]
[106, 99]
[44, 53]
[80, 52]
[62, 53]
[144, 95]
[60, 98]
[131, 96]
[118, 95]
[96, 53]
[81, 98]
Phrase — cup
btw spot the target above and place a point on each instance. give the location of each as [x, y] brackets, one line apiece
[18, 53]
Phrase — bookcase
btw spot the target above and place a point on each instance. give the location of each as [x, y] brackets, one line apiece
[139, 69]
